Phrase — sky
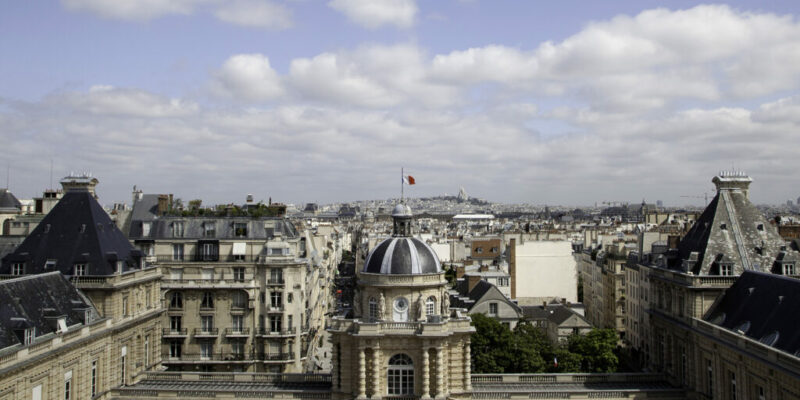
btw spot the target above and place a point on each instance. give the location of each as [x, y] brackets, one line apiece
[568, 102]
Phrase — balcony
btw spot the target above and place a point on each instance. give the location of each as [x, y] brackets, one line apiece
[189, 358]
[206, 332]
[274, 309]
[276, 282]
[266, 357]
[237, 332]
[276, 333]
[174, 333]
[198, 282]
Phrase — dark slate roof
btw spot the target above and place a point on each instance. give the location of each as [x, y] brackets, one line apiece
[8, 200]
[768, 302]
[145, 208]
[76, 230]
[402, 255]
[28, 301]
[194, 227]
[712, 237]
[555, 313]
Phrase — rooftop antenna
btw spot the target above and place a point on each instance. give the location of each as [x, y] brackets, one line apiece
[8, 174]
[51, 173]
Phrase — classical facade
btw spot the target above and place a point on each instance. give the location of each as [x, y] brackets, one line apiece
[401, 338]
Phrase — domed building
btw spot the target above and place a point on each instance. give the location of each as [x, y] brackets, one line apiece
[402, 338]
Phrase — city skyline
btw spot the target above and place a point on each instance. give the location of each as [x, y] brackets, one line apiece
[325, 101]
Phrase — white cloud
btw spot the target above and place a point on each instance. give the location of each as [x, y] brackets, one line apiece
[373, 14]
[108, 100]
[134, 10]
[256, 13]
[248, 77]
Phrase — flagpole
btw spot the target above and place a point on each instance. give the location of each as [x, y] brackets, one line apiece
[401, 183]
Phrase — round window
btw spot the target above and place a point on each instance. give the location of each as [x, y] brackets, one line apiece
[401, 304]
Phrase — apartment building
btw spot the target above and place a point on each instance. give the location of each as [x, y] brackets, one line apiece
[242, 293]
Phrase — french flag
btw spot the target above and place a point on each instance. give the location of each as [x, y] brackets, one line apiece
[409, 180]
[555, 362]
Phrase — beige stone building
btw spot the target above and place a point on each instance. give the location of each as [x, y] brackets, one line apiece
[241, 293]
[402, 338]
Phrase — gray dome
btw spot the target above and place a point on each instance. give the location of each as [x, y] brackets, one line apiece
[401, 210]
[402, 256]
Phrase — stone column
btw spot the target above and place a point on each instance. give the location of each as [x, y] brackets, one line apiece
[376, 372]
[362, 374]
[426, 374]
[467, 367]
[439, 372]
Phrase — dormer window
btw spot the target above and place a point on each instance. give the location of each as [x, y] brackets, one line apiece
[479, 250]
[723, 226]
[145, 228]
[210, 229]
[726, 269]
[240, 229]
[788, 269]
[18, 269]
[760, 227]
[177, 229]
[30, 335]
[50, 264]
[62, 325]
[80, 269]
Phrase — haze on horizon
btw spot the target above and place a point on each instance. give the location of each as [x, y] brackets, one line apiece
[518, 102]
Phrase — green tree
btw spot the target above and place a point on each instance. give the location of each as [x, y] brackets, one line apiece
[596, 349]
[491, 346]
[567, 361]
[530, 346]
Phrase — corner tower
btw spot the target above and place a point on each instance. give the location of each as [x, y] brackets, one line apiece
[402, 338]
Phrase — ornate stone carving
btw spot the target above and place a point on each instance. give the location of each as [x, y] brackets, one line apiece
[420, 309]
[381, 306]
[357, 303]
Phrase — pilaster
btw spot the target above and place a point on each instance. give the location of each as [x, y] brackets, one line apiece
[362, 374]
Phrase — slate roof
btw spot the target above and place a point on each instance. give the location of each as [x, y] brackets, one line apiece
[404, 256]
[554, 313]
[8, 201]
[768, 303]
[730, 230]
[76, 230]
[194, 227]
[27, 301]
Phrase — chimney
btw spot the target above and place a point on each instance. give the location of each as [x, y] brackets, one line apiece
[472, 281]
[460, 271]
[512, 266]
[163, 204]
[484, 268]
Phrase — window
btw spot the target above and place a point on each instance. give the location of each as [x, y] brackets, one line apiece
[123, 365]
[494, 250]
[761, 394]
[80, 269]
[276, 251]
[732, 377]
[400, 379]
[240, 229]
[788, 269]
[502, 281]
[18, 269]
[175, 348]
[210, 229]
[492, 309]
[479, 250]
[177, 252]
[177, 229]
[276, 275]
[94, 378]
[145, 229]
[125, 306]
[275, 323]
[289, 321]
[68, 385]
[237, 322]
[146, 351]
[30, 334]
[175, 323]
[430, 306]
[710, 378]
[50, 264]
[237, 349]
[289, 298]
[207, 323]
[238, 300]
[238, 274]
[275, 299]
[726, 269]
[373, 308]
[206, 350]
[209, 251]
[176, 300]
[208, 300]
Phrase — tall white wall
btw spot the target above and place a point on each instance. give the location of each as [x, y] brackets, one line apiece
[546, 269]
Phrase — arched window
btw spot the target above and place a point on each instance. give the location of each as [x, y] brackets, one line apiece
[176, 300]
[430, 306]
[373, 308]
[400, 379]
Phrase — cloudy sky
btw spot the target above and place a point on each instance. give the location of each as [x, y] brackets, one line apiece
[567, 102]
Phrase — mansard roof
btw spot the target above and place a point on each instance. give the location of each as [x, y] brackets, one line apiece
[730, 230]
[8, 201]
[76, 231]
[762, 307]
[36, 302]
